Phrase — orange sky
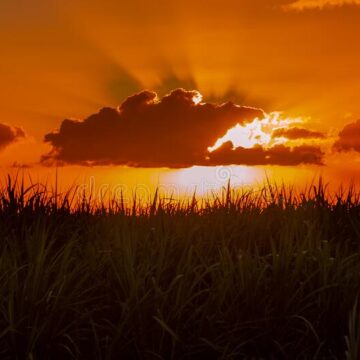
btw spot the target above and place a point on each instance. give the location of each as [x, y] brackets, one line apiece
[67, 59]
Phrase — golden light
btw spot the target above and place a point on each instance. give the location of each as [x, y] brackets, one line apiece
[205, 179]
[258, 132]
[197, 98]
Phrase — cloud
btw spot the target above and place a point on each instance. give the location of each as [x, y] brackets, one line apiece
[296, 133]
[318, 4]
[173, 132]
[277, 155]
[9, 135]
[147, 132]
[349, 138]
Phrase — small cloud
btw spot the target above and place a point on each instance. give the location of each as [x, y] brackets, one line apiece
[297, 133]
[9, 134]
[318, 4]
[348, 138]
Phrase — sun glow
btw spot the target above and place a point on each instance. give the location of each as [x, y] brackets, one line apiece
[197, 98]
[258, 132]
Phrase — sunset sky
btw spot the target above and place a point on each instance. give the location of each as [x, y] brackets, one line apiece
[283, 73]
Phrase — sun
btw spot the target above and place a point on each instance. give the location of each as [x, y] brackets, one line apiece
[197, 98]
[257, 132]
[246, 136]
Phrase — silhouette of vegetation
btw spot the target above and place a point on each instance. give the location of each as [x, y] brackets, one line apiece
[270, 274]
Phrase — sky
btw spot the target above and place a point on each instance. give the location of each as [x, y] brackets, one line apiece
[91, 86]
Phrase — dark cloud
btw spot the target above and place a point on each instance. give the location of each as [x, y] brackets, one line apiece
[277, 155]
[349, 138]
[296, 133]
[172, 132]
[9, 134]
[145, 131]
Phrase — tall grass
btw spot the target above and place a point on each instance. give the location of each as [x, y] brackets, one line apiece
[273, 274]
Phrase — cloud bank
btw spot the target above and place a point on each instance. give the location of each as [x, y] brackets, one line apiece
[173, 132]
[9, 134]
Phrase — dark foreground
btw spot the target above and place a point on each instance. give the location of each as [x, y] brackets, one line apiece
[265, 275]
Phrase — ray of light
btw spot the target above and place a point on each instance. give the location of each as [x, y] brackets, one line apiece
[257, 132]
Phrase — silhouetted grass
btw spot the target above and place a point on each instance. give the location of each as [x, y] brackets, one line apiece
[273, 274]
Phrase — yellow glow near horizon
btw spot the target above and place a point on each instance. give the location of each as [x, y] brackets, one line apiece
[258, 132]
[204, 180]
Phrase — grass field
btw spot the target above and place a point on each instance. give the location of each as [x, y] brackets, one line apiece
[267, 275]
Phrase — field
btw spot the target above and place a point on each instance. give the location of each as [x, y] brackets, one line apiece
[267, 275]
